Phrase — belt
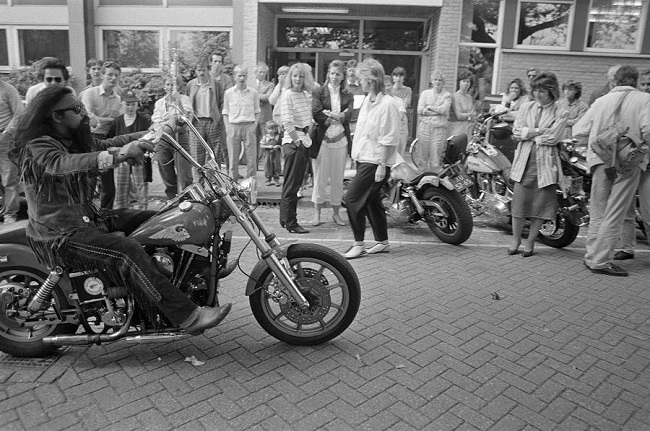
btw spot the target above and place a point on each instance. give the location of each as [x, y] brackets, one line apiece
[335, 138]
[303, 130]
[205, 118]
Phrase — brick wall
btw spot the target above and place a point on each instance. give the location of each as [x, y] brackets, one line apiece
[444, 53]
[587, 69]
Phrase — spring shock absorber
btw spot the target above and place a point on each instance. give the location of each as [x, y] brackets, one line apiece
[43, 293]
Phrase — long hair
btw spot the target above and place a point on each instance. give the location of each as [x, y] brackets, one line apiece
[373, 71]
[305, 70]
[341, 67]
[36, 120]
[520, 84]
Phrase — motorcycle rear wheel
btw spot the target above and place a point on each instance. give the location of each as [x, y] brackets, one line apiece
[24, 341]
[330, 284]
[558, 233]
[448, 216]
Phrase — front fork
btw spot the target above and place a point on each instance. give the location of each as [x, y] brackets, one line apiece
[268, 247]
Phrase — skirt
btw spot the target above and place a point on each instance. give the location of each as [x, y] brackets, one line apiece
[529, 201]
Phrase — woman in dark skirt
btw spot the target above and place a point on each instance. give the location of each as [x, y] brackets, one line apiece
[536, 168]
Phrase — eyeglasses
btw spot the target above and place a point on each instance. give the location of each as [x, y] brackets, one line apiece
[78, 109]
[56, 79]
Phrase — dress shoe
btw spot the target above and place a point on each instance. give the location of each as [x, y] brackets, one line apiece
[208, 317]
[354, 252]
[297, 229]
[378, 248]
[611, 269]
[623, 255]
[513, 252]
[527, 253]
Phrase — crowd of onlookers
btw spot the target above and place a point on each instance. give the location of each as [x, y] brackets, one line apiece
[297, 128]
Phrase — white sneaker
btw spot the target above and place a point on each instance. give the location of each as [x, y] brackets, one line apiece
[378, 248]
[354, 252]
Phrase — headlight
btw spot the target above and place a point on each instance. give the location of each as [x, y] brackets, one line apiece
[247, 189]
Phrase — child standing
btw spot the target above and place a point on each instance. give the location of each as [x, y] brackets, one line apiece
[127, 176]
[270, 144]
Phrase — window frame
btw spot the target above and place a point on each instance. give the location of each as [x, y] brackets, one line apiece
[99, 35]
[497, 46]
[643, 26]
[569, 34]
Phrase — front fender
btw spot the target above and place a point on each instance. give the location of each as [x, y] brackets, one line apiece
[261, 266]
[21, 256]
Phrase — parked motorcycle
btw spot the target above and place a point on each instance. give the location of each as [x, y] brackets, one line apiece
[489, 190]
[412, 195]
[302, 294]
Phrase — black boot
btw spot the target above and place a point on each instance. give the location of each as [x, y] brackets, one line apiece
[208, 317]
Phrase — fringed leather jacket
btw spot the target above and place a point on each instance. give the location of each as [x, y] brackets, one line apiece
[59, 192]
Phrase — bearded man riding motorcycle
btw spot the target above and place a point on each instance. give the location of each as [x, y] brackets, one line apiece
[57, 156]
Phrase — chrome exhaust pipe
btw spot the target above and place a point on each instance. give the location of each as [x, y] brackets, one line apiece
[160, 337]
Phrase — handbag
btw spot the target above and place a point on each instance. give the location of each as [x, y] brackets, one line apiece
[606, 144]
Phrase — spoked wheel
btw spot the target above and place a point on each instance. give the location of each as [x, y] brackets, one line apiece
[558, 233]
[447, 215]
[328, 282]
[21, 334]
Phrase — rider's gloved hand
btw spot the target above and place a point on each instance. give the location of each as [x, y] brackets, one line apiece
[133, 152]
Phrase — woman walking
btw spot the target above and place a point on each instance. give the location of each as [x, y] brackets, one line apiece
[332, 107]
[374, 149]
[536, 167]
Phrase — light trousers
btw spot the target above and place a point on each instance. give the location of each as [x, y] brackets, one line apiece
[237, 135]
[329, 166]
[628, 236]
[610, 202]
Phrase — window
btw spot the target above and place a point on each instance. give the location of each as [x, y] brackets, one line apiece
[132, 48]
[478, 52]
[304, 33]
[192, 46]
[614, 25]
[480, 21]
[4, 53]
[36, 44]
[393, 35]
[544, 24]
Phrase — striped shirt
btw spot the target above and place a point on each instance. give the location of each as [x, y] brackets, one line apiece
[295, 110]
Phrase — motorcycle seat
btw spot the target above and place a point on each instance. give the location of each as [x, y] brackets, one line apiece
[14, 236]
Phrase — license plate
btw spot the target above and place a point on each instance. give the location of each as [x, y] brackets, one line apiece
[461, 181]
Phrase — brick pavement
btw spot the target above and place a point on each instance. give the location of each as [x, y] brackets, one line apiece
[430, 349]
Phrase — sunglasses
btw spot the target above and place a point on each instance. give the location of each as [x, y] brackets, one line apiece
[78, 109]
[56, 79]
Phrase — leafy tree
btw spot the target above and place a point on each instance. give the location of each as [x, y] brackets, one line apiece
[535, 17]
[190, 47]
[133, 48]
[485, 20]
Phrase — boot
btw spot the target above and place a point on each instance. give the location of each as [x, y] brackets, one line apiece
[208, 317]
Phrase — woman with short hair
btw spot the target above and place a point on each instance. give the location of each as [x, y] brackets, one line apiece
[433, 112]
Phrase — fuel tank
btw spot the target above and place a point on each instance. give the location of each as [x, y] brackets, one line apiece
[481, 162]
[194, 224]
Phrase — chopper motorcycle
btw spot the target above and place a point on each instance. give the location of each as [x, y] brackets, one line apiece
[303, 294]
[412, 195]
[482, 172]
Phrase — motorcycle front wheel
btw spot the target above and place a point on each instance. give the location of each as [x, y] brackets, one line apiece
[20, 338]
[330, 285]
[558, 233]
[447, 215]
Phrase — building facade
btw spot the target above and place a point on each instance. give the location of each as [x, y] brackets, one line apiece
[497, 40]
